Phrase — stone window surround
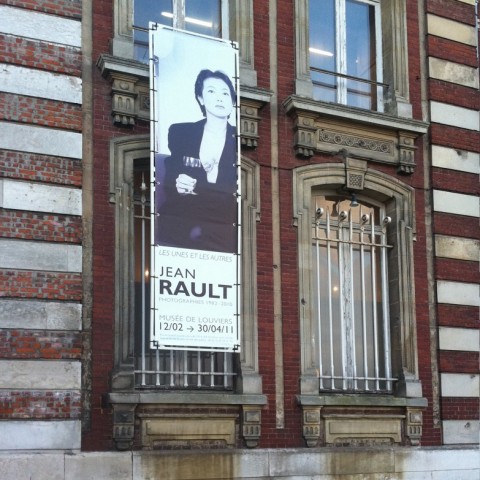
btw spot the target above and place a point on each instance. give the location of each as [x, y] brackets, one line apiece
[123, 396]
[241, 28]
[399, 201]
[395, 55]
[130, 78]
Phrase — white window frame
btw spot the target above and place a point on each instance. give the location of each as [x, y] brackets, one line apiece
[341, 52]
[394, 57]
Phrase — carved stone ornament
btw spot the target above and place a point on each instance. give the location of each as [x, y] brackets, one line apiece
[123, 425]
[131, 97]
[251, 429]
[311, 427]
[130, 89]
[337, 129]
[414, 423]
[249, 120]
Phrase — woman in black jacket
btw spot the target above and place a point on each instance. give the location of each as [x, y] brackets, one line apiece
[200, 183]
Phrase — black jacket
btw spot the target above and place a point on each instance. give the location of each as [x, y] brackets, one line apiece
[207, 220]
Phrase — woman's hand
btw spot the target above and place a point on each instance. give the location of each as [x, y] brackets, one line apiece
[185, 184]
[208, 165]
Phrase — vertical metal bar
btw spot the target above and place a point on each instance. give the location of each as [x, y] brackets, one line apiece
[386, 310]
[364, 306]
[157, 367]
[184, 356]
[225, 366]
[330, 300]
[199, 369]
[352, 306]
[319, 291]
[212, 369]
[374, 299]
[143, 200]
[172, 379]
[343, 298]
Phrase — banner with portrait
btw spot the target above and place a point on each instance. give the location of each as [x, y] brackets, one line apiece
[195, 195]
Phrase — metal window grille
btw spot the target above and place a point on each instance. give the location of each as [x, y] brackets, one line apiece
[352, 310]
[165, 368]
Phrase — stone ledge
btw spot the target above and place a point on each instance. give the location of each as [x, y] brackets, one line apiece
[198, 398]
[361, 400]
[457, 462]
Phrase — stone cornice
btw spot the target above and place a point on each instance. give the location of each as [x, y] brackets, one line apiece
[356, 133]
[131, 97]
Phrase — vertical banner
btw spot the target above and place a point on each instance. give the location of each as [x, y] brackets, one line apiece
[195, 167]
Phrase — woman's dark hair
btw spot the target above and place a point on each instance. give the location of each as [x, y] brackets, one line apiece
[202, 76]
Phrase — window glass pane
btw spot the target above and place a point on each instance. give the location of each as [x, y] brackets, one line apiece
[360, 52]
[200, 16]
[342, 41]
[204, 17]
[145, 11]
[322, 48]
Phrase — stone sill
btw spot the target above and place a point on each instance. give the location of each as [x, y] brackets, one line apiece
[188, 397]
[361, 401]
[356, 115]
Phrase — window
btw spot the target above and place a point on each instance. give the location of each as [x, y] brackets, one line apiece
[350, 282]
[136, 365]
[228, 19]
[353, 53]
[164, 368]
[206, 17]
[345, 56]
[357, 317]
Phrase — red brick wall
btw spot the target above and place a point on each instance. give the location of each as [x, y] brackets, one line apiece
[99, 437]
[458, 225]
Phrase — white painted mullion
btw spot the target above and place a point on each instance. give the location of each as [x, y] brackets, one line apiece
[225, 18]
[341, 49]
[179, 14]
[379, 57]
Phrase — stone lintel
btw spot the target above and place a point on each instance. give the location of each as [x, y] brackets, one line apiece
[339, 130]
[131, 97]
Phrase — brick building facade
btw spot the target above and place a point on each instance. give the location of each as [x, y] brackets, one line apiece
[78, 398]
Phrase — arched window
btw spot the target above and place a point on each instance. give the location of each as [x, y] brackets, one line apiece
[350, 284]
[137, 366]
[356, 282]
[357, 309]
